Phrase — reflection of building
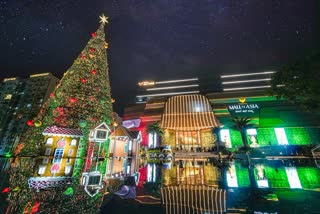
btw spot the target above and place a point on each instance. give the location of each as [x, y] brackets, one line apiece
[191, 171]
[21, 100]
[188, 121]
[123, 149]
[193, 199]
[60, 149]
[94, 168]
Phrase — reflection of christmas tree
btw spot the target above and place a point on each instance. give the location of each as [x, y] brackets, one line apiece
[81, 100]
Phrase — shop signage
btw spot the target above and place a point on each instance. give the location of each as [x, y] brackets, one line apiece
[243, 108]
[131, 123]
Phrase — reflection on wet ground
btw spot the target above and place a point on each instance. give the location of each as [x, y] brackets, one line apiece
[255, 186]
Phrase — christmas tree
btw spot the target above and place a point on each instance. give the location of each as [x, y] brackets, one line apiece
[81, 100]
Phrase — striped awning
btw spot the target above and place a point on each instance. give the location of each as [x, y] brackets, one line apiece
[193, 199]
[59, 131]
[188, 113]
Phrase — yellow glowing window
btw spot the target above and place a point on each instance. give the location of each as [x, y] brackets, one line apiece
[8, 97]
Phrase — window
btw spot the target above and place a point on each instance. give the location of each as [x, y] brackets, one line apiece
[281, 136]
[45, 160]
[57, 158]
[49, 141]
[48, 151]
[101, 134]
[67, 169]
[68, 160]
[70, 151]
[73, 142]
[94, 180]
[225, 137]
[42, 169]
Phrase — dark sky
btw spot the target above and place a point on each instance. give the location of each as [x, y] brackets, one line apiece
[159, 39]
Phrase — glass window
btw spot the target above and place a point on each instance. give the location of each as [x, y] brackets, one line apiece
[101, 134]
[130, 145]
[57, 158]
[48, 151]
[225, 137]
[49, 141]
[67, 169]
[73, 142]
[45, 160]
[94, 180]
[42, 169]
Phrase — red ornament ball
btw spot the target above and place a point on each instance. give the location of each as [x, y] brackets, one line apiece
[6, 190]
[93, 34]
[93, 71]
[51, 94]
[72, 100]
[84, 80]
[93, 50]
[83, 56]
[30, 122]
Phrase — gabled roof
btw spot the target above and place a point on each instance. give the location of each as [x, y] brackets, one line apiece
[103, 126]
[59, 131]
[124, 132]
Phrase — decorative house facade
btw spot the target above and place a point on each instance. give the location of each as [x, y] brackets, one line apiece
[59, 152]
[94, 168]
[124, 146]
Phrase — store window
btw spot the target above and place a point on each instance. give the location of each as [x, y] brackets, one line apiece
[225, 137]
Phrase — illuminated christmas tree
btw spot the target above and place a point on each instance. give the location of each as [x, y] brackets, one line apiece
[81, 101]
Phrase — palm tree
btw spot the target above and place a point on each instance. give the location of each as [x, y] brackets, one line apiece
[154, 129]
[241, 124]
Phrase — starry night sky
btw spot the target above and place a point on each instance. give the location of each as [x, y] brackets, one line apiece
[159, 39]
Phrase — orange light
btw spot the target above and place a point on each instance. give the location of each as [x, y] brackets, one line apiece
[146, 83]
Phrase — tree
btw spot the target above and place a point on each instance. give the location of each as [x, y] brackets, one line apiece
[154, 129]
[81, 100]
[299, 83]
[241, 124]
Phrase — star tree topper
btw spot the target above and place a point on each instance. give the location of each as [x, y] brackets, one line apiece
[103, 19]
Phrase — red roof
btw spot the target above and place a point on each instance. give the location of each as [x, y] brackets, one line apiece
[58, 131]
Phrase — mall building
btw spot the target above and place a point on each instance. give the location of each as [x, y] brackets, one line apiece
[188, 119]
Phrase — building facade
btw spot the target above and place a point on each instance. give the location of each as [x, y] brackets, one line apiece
[59, 150]
[244, 95]
[21, 100]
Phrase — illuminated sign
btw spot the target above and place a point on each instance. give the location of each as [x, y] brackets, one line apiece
[9, 79]
[39, 75]
[131, 123]
[243, 108]
[146, 83]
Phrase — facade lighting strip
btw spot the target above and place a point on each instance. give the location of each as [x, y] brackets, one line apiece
[172, 87]
[244, 88]
[247, 74]
[168, 94]
[245, 81]
[174, 81]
